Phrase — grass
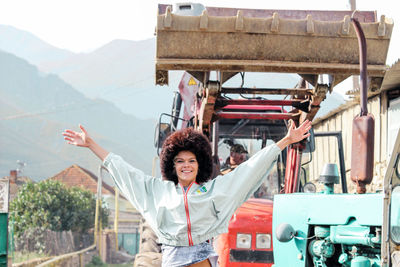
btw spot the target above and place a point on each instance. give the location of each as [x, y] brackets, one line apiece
[23, 256]
[120, 265]
[96, 261]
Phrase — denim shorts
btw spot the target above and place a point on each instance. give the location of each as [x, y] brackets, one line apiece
[187, 255]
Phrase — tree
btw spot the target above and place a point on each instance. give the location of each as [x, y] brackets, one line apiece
[50, 205]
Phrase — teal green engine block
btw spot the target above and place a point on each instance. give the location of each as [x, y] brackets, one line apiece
[327, 230]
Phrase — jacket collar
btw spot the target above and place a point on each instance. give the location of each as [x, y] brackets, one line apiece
[193, 184]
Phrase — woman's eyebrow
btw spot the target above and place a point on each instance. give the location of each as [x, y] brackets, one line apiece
[184, 159]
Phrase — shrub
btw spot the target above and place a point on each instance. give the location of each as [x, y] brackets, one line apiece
[50, 205]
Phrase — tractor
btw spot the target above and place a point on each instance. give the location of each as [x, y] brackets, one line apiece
[214, 45]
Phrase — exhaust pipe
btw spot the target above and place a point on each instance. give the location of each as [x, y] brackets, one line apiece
[362, 152]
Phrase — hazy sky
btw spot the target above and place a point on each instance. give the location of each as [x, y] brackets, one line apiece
[84, 25]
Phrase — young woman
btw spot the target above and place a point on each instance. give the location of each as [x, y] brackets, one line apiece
[185, 208]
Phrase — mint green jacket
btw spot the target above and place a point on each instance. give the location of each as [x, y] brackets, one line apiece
[188, 218]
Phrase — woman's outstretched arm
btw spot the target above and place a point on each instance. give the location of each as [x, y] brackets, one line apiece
[295, 134]
[83, 139]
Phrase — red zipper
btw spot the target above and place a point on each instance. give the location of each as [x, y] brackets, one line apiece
[189, 226]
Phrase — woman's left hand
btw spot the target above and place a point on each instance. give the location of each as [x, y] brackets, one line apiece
[297, 134]
[294, 134]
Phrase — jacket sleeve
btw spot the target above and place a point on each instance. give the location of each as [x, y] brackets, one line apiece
[137, 187]
[234, 188]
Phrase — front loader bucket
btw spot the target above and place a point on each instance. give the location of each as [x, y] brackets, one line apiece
[257, 43]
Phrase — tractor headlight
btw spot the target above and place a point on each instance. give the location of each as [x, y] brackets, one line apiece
[263, 241]
[243, 240]
[309, 188]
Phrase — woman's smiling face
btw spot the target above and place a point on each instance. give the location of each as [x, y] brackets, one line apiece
[186, 167]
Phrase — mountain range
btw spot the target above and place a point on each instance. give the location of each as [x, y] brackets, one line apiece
[111, 91]
[35, 109]
[122, 72]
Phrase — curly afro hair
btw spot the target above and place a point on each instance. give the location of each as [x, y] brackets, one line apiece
[186, 140]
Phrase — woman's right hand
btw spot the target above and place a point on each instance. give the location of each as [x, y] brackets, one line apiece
[77, 138]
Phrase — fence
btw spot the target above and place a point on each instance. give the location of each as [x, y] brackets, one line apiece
[71, 259]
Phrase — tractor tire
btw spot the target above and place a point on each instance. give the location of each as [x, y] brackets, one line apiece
[148, 233]
[148, 239]
[148, 259]
[149, 248]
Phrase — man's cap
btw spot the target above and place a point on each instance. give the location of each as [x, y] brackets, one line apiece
[238, 149]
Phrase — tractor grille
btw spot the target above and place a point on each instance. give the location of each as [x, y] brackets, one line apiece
[237, 255]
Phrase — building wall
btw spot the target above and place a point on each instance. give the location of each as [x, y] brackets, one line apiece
[341, 120]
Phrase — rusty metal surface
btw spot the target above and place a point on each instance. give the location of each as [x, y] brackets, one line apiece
[256, 116]
[362, 153]
[267, 91]
[267, 41]
[207, 108]
[362, 45]
[362, 150]
[319, 95]
[239, 37]
[224, 102]
[323, 15]
[226, 44]
[265, 66]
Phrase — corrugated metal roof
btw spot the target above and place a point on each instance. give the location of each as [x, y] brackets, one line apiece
[391, 79]
[342, 107]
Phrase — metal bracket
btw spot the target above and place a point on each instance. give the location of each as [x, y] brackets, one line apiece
[320, 92]
[375, 83]
[207, 109]
[201, 76]
[335, 79]
[162, 77]
[224, 76]
[310, 78]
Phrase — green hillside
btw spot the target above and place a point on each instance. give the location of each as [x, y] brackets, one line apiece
[35, 108]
